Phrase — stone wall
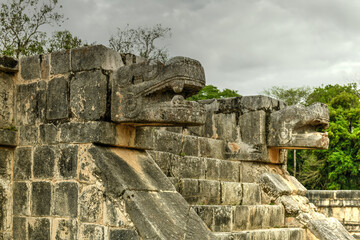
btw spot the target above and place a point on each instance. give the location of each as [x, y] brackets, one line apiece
[343, 205]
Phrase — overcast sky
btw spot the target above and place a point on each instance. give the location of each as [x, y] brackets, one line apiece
[246, 45]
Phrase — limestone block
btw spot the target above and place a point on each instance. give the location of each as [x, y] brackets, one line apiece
[328, 229]
[223, 219]
[251, 194]
[45, 66]
[44, 161]
[8, 137]
[168, 142]
[48, 133]
[163, 160]
[189, 189]
[209, 192]
[30, 102]
[116, 234]
[21, 199]
[41, 198]
[6, 100]
[92, 232]
[231, 193]
[95, 57]
[38, 228]
[30, 67]
[211, 148]
[229, 171]
[190, 146]
[65, 199]
[5, 207]
[114, 213]
[88, 95]
[350, 194]
[228, 105]
[57, 99]
[259, 102]
[6, 159]
[6, 236]
[28, 135]
[206, 214]
[212, 168]
[253, 128]
[274, 185]
[91, 207]
[64, 229]
[188, 167]
[60, 62]
[225, 126]
[67, 162]
[294, 204]
[19, 228]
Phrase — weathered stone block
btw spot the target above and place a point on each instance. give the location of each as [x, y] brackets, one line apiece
[328, 228]
[188, 167]
[30, 102]
[251, 194]
[21, 199]
[6, 157]
[39, 228]
[67, 162]
[259, 102]
[65, 199]
[114, 212]
[30, 67]
[19, 228]
[274, 185]
[211, 148]
[91, 208]
[57, 99]
[60, 62]
[28, 135]
[223, 219]
[92, 232]
[212, 168]
[22, 163]
[8, 137]
[163, 160]
[206, 214]
[189, 189]
[241, 218]
[6, 100]
[88, 95]
[95, 57]
[44, 161]
[253, 128]
[229, 171]
[64, 229]
[8, 64]
[190, 146]
[168, 142]
[209, 192]
[231, 193]
[48, 133]
[117, 234]
[41, 198]
[45, 66]
[226, 126]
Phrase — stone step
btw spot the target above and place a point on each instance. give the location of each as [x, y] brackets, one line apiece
[202, 192]
[238, 218]
[182, 166]
[263, 234]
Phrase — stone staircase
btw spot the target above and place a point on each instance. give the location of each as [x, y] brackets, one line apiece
[231, 208]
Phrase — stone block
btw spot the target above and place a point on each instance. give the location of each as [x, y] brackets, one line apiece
[212, 168]
[88, 95]
[28, 135]
[348, 194]
[45, 66]
[168, 142]
[48, 133]
[328, 228]
[39, 228]
[114, 213]
[41, 198]
[57, 99]
[223, 219]
[231, 193]
[8, 137]
[44, 161]
[297, 187]
[189, 189]
[60, 62]
[30, 67]
[22, 163]
[64, 229]
[253, 128]
[226, 126]
[8, 64]
[6, 158]
[251, 194]
[188, 167]
[92, 232]
[211, 148]
[117, 234]
[30, 103]
[242, 218]
[19, 228]
[259, 102]
[95, 57]
[67, 162]
[21, 199]
[320, 194]
[65, 199]
[190, 146]
[6, 100]
[90, 201]
[229, 171]
[5, 208]
[163, 160]
[274, 185]
[209, 192]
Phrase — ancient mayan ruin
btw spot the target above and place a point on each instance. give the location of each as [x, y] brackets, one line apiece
[101, 146]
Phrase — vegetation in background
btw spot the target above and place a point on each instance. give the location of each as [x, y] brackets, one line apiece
[210, 92]
[290, 96]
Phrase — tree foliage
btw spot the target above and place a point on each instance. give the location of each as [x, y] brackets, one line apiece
[141, 41]
[20, 23]
[210, 92]
[290, 96]
[63, 40]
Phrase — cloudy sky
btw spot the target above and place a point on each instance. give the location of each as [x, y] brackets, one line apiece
[246, 45]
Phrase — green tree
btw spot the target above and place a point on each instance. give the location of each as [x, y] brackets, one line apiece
[20, 23]
[210, 92]
[290, 96]
[141, 41]
[63, 40]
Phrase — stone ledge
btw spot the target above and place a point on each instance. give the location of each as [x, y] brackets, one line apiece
[8, 138]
